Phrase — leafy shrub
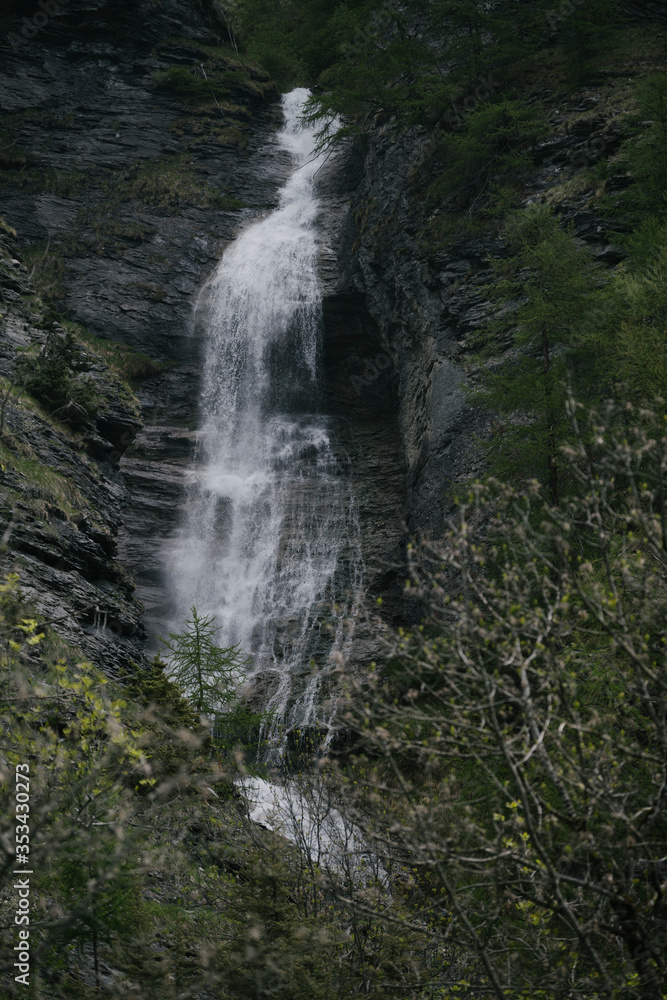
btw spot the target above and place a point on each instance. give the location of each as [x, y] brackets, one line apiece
[53, 378]
[518, 758]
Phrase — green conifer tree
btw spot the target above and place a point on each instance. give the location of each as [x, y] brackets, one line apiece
[636, 328]
[647, 155]
[207, 673]
[556, 283]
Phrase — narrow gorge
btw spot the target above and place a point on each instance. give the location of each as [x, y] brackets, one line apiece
[280, 285]
[270, 543]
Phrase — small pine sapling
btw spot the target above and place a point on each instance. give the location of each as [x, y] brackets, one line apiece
[206, 672]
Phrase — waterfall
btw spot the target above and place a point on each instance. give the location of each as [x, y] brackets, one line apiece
[270, 542]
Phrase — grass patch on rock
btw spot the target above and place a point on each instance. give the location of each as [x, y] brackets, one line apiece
[132, 366]
[170, 183]
[46, 268]
[53, 486]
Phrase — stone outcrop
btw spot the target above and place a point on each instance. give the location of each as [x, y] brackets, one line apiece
[123, 187]
[406, 306]
[125, 181]
[61, 491]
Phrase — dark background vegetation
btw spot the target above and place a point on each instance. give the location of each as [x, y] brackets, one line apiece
[516, 861]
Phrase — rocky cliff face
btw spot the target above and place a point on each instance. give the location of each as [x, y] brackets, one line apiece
[129, 156]
[133, 147]
[62, 494]
[405, 307]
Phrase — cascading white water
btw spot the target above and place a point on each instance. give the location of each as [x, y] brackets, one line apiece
[270, 545]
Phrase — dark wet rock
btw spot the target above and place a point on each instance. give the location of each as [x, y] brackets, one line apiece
[62, 497]
[400, 369]
[134, 191]
[405, 314]
[124, 197]
[646, 10]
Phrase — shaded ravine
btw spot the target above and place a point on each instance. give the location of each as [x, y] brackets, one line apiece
[270, 542]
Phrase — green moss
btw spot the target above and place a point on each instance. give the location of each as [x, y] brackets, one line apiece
[66, 185]
[46, 267]
[155, 293]
[222, 57]
[214, 127]
[12, 156]
[132, 366]
[122, 229]
[4, 228]
[51, 485]
[42, 118]
[168, 184]
[191, 87]
[36, 179]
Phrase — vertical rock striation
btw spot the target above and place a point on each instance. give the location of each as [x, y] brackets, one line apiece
[129, 142]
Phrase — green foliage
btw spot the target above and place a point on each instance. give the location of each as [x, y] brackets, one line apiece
[152, 687]
[12, 156]
[239, 730]
[407, 61]
[34, 178]
[132, 366]
[207, 673]
[47, 271]
[166, 184]
[490, 149]
[520, 763]
[147, 879]
[214, 75]
[295, 41]
[551, 287]
[210, 676]
[637, 326]
[102, 896]
[647, 155]
[68, 735]
[166, 709]
[190, 85]
[645, 243]
[4, 228]
[54, 378]
[386, 71]
[93, 830]
[583, 31]
[272, 47]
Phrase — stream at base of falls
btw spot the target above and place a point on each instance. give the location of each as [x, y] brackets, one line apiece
[270, 544]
